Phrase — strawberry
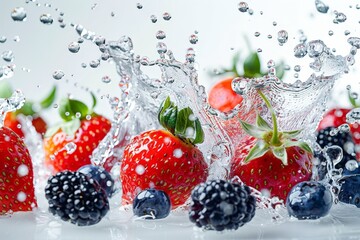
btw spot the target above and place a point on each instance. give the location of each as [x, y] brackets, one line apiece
[269, 159]
[335, 117]
[166, 160]
[69, 145]
[28, 109]
[16, 174]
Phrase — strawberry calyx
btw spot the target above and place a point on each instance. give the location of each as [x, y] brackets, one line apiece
[28, 109]
[72, 112]
[181, 123]
[353, 99]
[270, 138]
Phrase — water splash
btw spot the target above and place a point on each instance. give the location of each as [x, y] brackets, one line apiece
[13, 103]
[18, 14]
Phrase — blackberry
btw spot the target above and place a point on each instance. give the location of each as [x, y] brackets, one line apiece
[342, 139]
[350, 190]
[219, 205]
[75, 198]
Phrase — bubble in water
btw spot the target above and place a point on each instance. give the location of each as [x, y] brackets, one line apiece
[3, 39]
[339, 17]
[58, 74]
[139, 6]
[161, 47]
[46, 19]
[18, 14]
[321, 7]
[300, 50]
[193, 39]
[282, 36]
[70, 147]
[94, 63]
[354, 41]
[243, 7]
[351, 165]
[160, 34]
[106, 79]
[153, 18]
[166, 16]
[22, 170]
[8, 56]
[297, 68]
[74, 47]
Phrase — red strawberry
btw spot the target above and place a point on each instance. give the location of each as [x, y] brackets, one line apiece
[69, 146]
[273, 160]
[166, 160]
[16, 174]
[12, 120]
[337, 116]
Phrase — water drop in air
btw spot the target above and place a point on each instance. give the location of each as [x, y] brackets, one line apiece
[94, 63]
[3, 39]
[139, 6]
[166, 16]
[153, 18]
[106, 79]
[58, 74]
[193, 39]
[256, 34]
[339, 18]
[282, 36]
[8, 56]
[160, 35]
[46, 19]
[74, 47]
[243, 7]
[321, 7]
[18, 14]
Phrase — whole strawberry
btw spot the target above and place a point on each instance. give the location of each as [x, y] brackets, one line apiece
[16, 174]
[29, 109]
[69, 145]
[166, 160]
[269, 159]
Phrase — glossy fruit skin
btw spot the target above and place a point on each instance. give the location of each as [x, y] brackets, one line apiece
[159, 160]
[100, 175]
[86, 139]
[350, 187]
[342, 139]
[268, 172]
[16, 174]
[309, 200]
[222, 97]
[220, 205]
[74, 198]
[152, 203]
[13, 123]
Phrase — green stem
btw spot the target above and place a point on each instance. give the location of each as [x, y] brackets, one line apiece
[275, 137]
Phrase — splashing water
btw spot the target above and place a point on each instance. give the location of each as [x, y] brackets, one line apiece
[15, 102]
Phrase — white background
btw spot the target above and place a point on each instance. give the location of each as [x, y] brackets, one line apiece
[221, 26]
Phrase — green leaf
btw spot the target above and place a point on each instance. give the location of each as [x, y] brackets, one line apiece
[305, 146]
[26, 109]
[5, 89]
[258, 150]
[69, 108]
[94, 101]
[199, 133]
[291, 134]
[280, 153]
[352, 100]
[252, 65]
[280, 70]
[71, 127]
[261, 123]
[252, 130]
[300, 144]
[188, 127]
[167, 115]
[49, 99]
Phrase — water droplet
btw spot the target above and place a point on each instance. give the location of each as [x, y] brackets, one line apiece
[160, 35]
[339, 18]
[353, 116]
[166, 16]
[178, 153]
[18, 14]
[153, 18]
[46, 19]
[94, 6]
[105, 56]
[351, 165]
[3, 39]
[282, 36]
[22, 170]
[346, 32]
[58, 74]
[112, 14]
[354, 41]
[321, 7]
[259, 50]
[8, 56]
[274, 23]
[21, 197]
[140, 169]
[106, 79]
[243, 7]
[80, 40]
[94, 63]
[62, 25]
[60, 19]
[99, 40]
[296, 75]
[139, 6]
[331, 32]
[251, 12]
[256, 34]
[271, 63]
[193, 39]
[74, 47]
[70, 147]
[315, 48]
[297, 68]
[269, 36]
[161, 47]
[16, 39]
[83, 65]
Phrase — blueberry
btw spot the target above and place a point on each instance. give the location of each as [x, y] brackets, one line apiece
[152, 203]
[309, 200]
[100, 175]
[350, 190]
